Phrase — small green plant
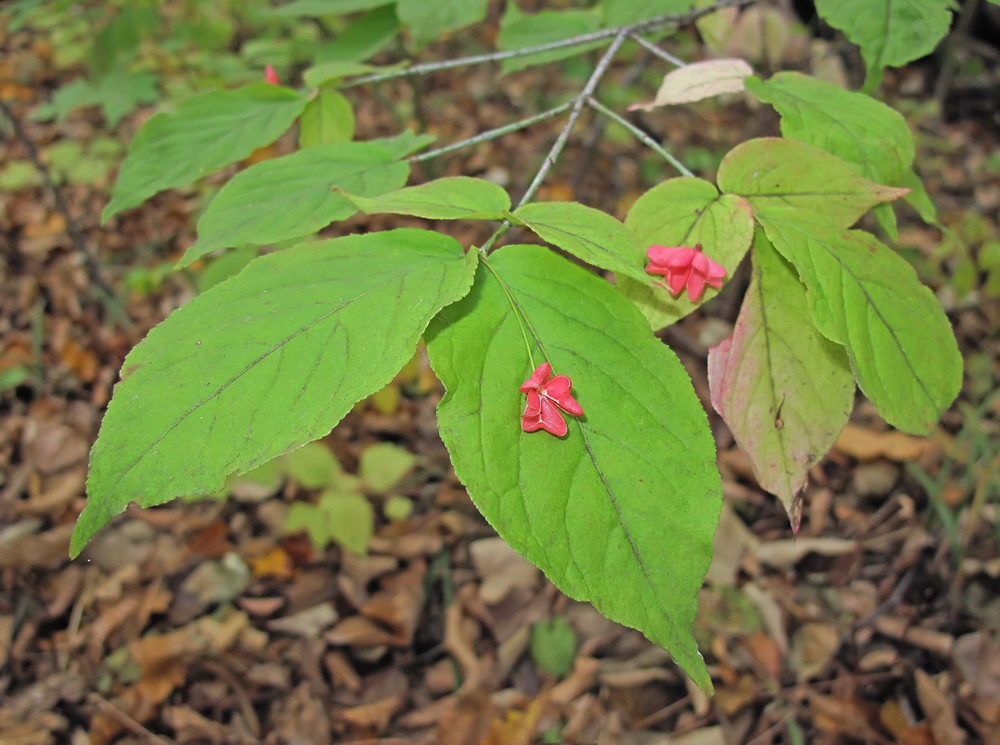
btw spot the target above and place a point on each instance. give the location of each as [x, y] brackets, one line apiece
[343, 513]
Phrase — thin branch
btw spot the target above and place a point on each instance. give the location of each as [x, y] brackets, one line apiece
[655, 50]
[578, 103]
[644, 138]
[492, 134]
[677, 19]
[600, 123]
[91, 264]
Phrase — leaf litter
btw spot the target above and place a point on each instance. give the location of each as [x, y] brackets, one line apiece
[205, 622]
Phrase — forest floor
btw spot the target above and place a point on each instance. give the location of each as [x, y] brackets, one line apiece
[206, 622]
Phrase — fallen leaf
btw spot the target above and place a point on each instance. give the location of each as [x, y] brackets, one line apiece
[939, 708]
[865, 444]
[501, 568]
[309, 623]
[812, 648]
[977, 657]
[787, 553]
[359, 631]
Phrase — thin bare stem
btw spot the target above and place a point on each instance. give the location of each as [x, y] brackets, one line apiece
[492, 134]
[578, 103]
[676, 19]
[655, 50]
[644, 138]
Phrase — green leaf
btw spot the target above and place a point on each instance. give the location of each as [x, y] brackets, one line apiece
[785, 179]
[363, 38]
[117, 94]
[626, 12]
[622, 510]
[397, 508]
[403, 144]
[206, 132]
[784, 390]
[520, 30]
[327, 119]
[19, 174]
[683, 212]
[865, 296]
[854, 127]
[265, 362]
[449, 198]
[225, 266]
[918, 198]
[553, 645]
[324, 7]
[589, 234]
[12, 377]
[383, 465]
[427, 21]
[349, 518]
[889, 32]
[312, 465]
[292, 196]
[308, 517]
[332, 72]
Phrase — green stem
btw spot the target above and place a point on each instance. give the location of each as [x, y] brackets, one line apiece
[517, 311]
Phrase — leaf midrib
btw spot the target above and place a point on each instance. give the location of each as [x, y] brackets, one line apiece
[516, 307]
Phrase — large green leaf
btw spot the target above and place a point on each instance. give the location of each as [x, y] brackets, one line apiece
[865, 296]
[363, 38]
[448, 198]
[889, 32]
[683, 212]
[292, 196]
[784, 178]
[850, 125]
[589, 234]
[324, 7]
[207, 132]
[428, 20]
[784, 390]
[265, 362]
[620, 511]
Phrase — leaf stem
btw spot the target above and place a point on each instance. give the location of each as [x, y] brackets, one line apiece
[515, 308]
[644, 138]
[676, 19]
[492, 134]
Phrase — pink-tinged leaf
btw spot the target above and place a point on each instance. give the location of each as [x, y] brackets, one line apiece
[699, 80]
[791, 181]
[784, 390]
